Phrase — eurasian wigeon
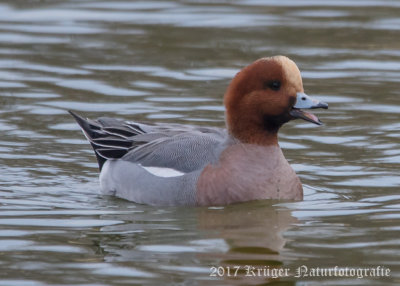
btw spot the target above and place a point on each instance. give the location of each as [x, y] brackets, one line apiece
[173, 165]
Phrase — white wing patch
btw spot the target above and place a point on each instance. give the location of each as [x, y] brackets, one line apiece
[163, 172]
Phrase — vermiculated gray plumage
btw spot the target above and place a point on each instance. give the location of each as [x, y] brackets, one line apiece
[180, 147]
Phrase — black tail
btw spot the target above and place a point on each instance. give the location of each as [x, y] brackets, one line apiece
[109, 138]
[90, 133]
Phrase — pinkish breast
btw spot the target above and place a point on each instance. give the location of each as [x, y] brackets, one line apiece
[248, 172]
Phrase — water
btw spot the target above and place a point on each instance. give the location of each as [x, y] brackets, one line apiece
[171, 61]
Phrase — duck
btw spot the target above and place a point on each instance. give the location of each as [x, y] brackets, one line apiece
[162, 164]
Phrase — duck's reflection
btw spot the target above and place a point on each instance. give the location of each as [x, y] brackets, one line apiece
[253, 236]
[243, 241]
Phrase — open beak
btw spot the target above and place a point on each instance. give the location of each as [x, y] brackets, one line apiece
[304, 101]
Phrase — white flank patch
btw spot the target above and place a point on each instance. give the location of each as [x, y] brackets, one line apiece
[163, 172]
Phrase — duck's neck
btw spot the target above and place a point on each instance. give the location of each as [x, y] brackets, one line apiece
[253, 128]
[252, 135]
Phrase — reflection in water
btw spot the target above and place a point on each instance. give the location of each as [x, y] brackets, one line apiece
[253, 237]
[242, 236]
[171, 61]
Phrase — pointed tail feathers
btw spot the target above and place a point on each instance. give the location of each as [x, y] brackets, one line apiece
[108, 142]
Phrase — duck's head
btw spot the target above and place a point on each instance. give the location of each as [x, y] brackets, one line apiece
[265, 95]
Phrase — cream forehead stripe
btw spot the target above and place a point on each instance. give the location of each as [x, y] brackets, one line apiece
[291, 71]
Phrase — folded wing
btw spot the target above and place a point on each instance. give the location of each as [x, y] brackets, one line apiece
[180, 147]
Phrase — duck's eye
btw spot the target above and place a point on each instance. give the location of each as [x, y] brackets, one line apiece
[274, 85]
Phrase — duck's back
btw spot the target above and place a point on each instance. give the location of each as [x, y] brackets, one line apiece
[152, 164]
[165, 168]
